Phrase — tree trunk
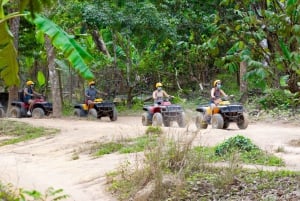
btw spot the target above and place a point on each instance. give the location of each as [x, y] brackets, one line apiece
[243, 83]
[100, 43]
[14, 24]
[54, 79]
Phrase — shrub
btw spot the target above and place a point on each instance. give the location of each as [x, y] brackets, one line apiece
[275, 98]
[239, 143]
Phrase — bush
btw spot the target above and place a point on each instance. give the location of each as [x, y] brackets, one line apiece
[275, 98]
[239, 143]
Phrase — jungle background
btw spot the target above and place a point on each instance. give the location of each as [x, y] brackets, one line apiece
[252, 46]
[128, 46]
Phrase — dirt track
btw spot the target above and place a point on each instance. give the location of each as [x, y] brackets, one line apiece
[47, 162]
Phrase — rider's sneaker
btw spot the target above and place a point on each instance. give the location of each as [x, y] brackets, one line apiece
[208, 119]
[29, 113]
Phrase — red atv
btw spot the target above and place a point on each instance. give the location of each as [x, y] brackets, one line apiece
[40, 108]
[163, 113]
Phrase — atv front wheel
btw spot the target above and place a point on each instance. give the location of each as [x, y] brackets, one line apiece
[38, 113]
[200, 121]
[93, 113]
[114, 115]
[15, 112]
[217, 121]
[157, 119]
[145, 119]
[243, 121]
[181, 120]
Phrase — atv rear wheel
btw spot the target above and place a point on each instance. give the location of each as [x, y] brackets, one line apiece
[157, 119]
[217, 121]
[145, 119]
[243, 121]
[226, 124]
[15, 112]
[93, 113]
[114, 115]
[200, 121]
[181, 120]
[78, 112]
[38, 113]
[2, 113]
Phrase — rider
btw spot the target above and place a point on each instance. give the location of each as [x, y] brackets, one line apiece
[159, 93]
[29, 93]
[216, 93]
[91, 93]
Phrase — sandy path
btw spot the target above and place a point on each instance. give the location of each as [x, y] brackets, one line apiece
[47, 162]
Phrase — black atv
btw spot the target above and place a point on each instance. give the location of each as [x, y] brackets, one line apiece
[163, 113]
[98, 110]
[40, 108]
[222, 115]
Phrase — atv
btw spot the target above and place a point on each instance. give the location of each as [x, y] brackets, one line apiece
[222, 115]
[163, 113]
[40, 108]
[98, 110]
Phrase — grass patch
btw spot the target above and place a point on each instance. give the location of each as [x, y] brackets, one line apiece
[125, 146]
[12, 132]
[173, 170]
[240, 149]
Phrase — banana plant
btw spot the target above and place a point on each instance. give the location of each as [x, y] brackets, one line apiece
[9, 68]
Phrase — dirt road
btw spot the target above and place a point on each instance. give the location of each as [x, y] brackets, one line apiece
[47, 162]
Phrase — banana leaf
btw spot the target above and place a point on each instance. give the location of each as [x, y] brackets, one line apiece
[9, 67]
[76, 55]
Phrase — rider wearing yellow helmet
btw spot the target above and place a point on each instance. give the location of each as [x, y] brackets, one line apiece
[91, 93]
[29, 94]
[159, 93]
[216, 93]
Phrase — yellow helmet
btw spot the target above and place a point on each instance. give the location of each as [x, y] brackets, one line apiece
[158, 84]
[29, 83]
[216, 81]
[91, 83]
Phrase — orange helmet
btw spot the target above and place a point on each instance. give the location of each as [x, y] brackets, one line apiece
[158, 84]
[29, 82]
[91, 83]
[216, 82]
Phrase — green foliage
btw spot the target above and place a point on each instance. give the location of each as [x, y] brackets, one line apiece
[126, 146]
[19, 132]
[237, 143]
[41, 78]
[275, 98]
[154, 130]
[9, 68]
[76, 55]
[8, 193]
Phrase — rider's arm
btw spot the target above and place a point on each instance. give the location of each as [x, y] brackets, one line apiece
[166, 94]
[26, 92]
[154, 95]
[86, 93]
[101, 93]
[36, 93]
[212, 93]
[223, 93]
